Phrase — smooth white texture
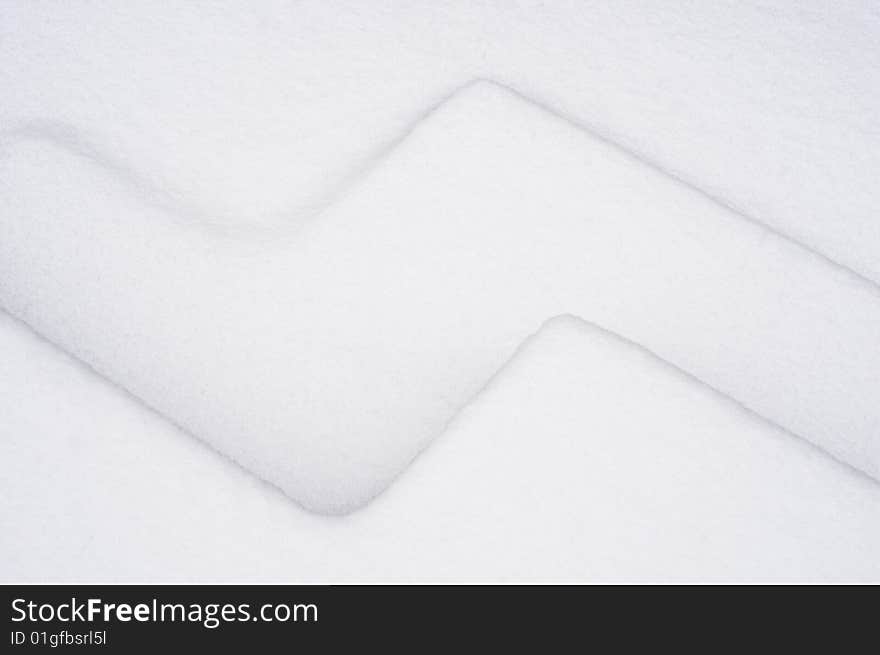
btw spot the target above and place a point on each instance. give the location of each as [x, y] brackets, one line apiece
[256, 111]
[325, 359]
[310, 232]
[586, 459]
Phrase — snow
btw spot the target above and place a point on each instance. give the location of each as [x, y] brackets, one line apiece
[585, 460]
[308, 235]
[256, 111]
[324, 359]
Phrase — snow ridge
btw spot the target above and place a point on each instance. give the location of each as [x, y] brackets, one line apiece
[311, 359]
[585, 457]
[67, 137]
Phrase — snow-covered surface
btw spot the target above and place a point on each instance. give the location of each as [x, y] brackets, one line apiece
[310, 234]
[257, 111]
[587, 459]
[325, 358]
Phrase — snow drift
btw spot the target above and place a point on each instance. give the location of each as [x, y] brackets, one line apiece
[324, 356]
